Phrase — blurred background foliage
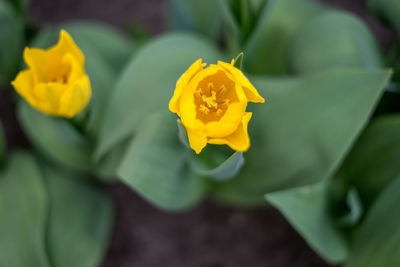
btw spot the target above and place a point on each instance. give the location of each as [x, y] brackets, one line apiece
[325, 147]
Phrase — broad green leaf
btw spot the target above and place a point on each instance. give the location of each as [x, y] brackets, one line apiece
[112, 45]
[80, 220]
[56, 138]
[267, 49]
[106, 168]
[307, 209]
[11, 41]
[102, 79]
[23, 213]
[148, 82]
[2, 145]
[349, 43]
[389, 10]
[193, 15]
[156, 166]
[258, 4]
[374, 160]
[225, 171]
[303, 131]
[377, 243]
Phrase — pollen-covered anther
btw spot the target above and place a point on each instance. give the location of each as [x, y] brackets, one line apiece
[210, 101]
[204, 109]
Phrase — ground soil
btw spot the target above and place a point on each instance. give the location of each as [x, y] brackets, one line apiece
[209, 235]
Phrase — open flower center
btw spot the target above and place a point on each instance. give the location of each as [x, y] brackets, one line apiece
[57, 70]
[60, 73]
[212, 101]
[60, 79]
[213, 97]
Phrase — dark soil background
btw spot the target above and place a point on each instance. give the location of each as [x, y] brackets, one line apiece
[209, 235]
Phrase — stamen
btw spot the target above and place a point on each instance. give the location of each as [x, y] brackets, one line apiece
[214, 103]
[210, 87]
[211, 101]
[204, 109]
[222, 90]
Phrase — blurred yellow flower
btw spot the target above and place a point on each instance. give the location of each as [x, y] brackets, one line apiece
[55, 82]
[211, 103]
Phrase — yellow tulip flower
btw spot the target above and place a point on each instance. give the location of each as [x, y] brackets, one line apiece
[55, 82]
[211, 103]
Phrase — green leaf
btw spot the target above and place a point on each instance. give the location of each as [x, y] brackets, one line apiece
[56, 138]
[112, 45]
[20, 5]
[239, 61]
[106, 168]
[23, 213]
[374, 160]
[304, 131]
[242, 17]
[266, 50]
[350, 43]
[3, 145]
[193, 15]
[378, 241]
[80, 220]
[389, 10]
[258, 4]
[241, 11]
[225, 171]
[148, 83]
[11, 42]
[156, 166]
[307, 209]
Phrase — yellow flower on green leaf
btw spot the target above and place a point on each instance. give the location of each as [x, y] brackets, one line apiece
[211, 103]
[55, 82]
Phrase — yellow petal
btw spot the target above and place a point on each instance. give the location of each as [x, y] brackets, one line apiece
[77, 70]
[239, 140]
[48, 64]
[75, 98]
[39, 62]
[187, 107]
[229, 122]
[197, 139]
[182, 82]
[48, 97]
[23, 84]
[67, 45]
[250, 91]
[56, 82]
